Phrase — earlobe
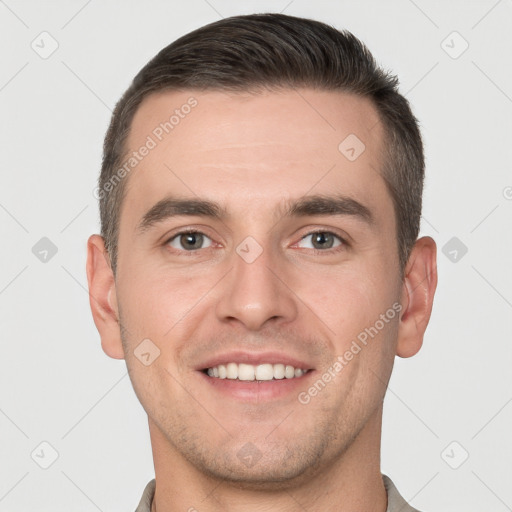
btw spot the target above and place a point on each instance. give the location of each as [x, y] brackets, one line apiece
[102, 297]
[420, 282]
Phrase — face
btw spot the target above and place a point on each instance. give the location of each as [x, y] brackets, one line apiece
[252, 247]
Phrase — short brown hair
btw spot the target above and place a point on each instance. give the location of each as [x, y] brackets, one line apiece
[274, 51]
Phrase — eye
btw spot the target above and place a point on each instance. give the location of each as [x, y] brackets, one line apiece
[190, 241]
[320, 240]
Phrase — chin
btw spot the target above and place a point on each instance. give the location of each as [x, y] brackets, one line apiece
[273, 468]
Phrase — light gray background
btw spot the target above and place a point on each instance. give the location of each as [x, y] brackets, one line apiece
[56, 384]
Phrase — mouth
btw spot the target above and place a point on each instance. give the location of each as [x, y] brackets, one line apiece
[255, 378]
[249, 372]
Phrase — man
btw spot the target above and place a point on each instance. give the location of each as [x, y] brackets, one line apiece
[259, 267]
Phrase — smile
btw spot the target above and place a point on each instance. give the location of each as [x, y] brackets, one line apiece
[249, 372]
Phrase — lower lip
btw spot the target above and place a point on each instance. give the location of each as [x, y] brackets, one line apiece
[258, 391]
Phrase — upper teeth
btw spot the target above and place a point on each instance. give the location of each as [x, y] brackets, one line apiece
[250, 372]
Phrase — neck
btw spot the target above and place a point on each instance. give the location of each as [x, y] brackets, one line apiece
[350, 483]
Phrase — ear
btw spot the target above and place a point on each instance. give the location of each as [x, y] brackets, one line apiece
[420, 281]
[102, 297]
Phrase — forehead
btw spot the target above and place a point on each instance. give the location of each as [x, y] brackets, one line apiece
[256, 148]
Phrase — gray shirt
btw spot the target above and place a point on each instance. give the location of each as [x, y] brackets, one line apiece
[395, 502]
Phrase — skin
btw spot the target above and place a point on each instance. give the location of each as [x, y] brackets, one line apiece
[253, 154]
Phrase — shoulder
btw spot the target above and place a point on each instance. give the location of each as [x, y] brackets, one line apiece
[147, 498]
[395, 501]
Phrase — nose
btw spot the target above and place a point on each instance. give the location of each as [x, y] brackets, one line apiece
[255, 293]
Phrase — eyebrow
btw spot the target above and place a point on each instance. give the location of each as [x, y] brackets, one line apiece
[322, 205]
[330, 205]
[174, 207]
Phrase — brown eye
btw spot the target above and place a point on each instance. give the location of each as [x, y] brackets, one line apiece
[320, 240]
[191, 241]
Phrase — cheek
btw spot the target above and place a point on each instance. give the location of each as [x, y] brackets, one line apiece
[164, 306]
[350, 302]
[346, 300]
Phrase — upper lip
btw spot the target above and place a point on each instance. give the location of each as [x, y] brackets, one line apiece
[254, 358]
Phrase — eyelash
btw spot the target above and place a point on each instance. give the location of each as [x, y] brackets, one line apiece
[343, 243]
